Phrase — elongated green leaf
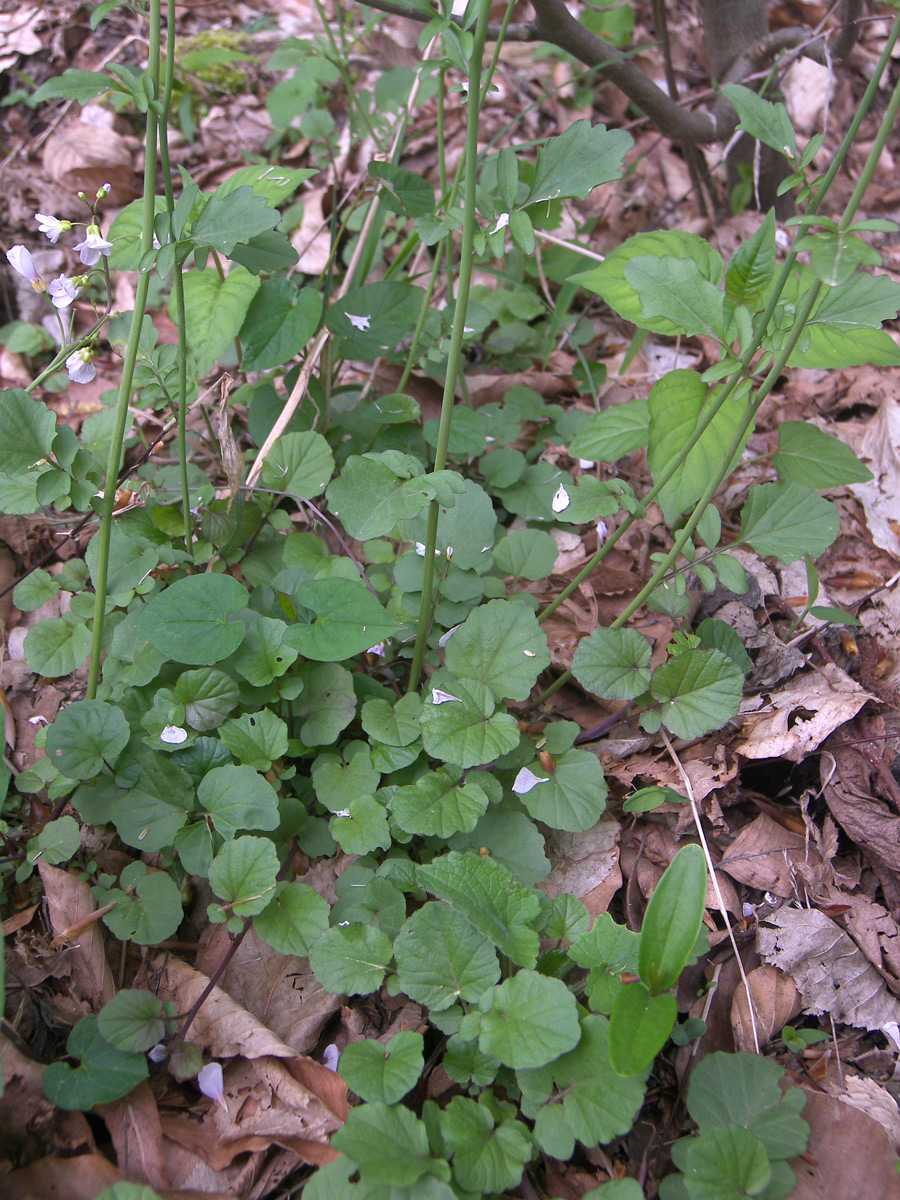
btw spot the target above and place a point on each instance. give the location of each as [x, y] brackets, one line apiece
[612, 434]
[765, 120]
[752, 266]
[215, 309]
[699, 691]
[575, 162]
[672, 920]
[676, 289]
[78, 85]
[787, 520]
[639, 1026]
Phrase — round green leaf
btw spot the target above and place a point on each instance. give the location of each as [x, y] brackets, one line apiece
[787, 520]
[346, 619]
[699, 690]
[573, 798]
[463, 729]
[350, 959]
[189, 621]
[105, 1074]
[294, 919]
[502, 645]
[208, 697]
[86, 736]
[613, 663]
[487, 1158]
[238, 798]
[441, 958]
[243, 874]
[385, 1073]
[438, 804]
[56, 646]
[148, 906]
[300, 464]
[532, 1019]
[133, 1020]
[389, 1144]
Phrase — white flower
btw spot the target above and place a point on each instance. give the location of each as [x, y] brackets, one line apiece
[502, 222]
[525, 781]
[173, 735]
[361, 323]
[560, 501]
[93, 246]
[212, 1083]
[80, 365]
[23, 264]
[63, 291]
[52, 226]
[441, 697]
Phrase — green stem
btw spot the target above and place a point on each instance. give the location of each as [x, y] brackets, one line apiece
[177, 278]
[466, 256]
[131, 351]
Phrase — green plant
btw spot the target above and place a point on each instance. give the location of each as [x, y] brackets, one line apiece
[255, 689]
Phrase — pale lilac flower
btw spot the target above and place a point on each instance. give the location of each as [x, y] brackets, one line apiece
[93, 246]
[52, 226]
[23, 264]
[331, 1057]
[212, 1083]
[63, 291]
[80, 365]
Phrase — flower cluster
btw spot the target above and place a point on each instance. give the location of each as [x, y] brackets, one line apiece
[64, 289]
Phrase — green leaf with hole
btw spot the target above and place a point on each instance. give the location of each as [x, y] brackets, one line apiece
[148, 905]
[460, 726]
[575, 162]
[486, 894]
[572, 798]
[87, 736]
[243, 874]
[263, 655]
[351, 959]
[104, 1074]
[189, 621]
[488, 1155]
[676, 405]
[442, 958]
[613, 663]
[527, 1021]
[383, 1073]
[294, 919]
[672, 920]
[787, 520]
[640, 1024]
[698, 691]
[215, 308]
[299, 464]
[815, 459]
[345, 619]
[256, 739]
[502, 645]
[133, 1020]
[278, 324]
[238, 798]
[439, 804]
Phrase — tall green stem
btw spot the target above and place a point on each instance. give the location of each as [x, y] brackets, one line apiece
[466, 257]
[131, 351]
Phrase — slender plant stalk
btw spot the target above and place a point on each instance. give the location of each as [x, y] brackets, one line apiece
[454, 355]
[131, 350]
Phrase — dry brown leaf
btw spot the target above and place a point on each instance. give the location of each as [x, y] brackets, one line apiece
[828, 967]
[279, 990]
[775, 1002]
[134, 1126]
[70, 901]
[765, 855]
[852, 796]
[586, 865]
[849, 1156]
[82, 158]
[222, 1028]
[878, 445]
[795, 720]
[875, 1101]
[80, 1178]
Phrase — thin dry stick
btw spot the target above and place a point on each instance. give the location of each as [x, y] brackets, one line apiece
[710, 866]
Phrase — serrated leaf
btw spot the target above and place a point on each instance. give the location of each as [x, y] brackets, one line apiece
[699, 690]
[294, 919]
[676, 289]
[383, 1073]
[612, 434]
[214, 310]
[464, 730]
[227, 221]
[56, 647]
[300, 464]
[573, 798]
[346, 620]
[487, 1156]
[274, 183]
[532, 1020]
[787, 520]
[189, 621]
[256, 739]
[608, 279]
[104, 1074]
[438, 804]
[147, 906]
[765, 120]
[743, 1089]
[441, 958]
[815, 459]
[278, 323]
[502, 645]
[727, 1163]
[243, 874]
[484, 891]
[27, 430]
[575, 162]
[132, 1020]
[86, 736]
[350, 959]
[752, 266]
[465, 532]
[676, 405]
[238, 798]
[863, 302]
[613, 663]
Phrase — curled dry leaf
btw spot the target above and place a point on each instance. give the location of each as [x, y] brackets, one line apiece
[828, 967]
[136, 1132]
[853, 794]
[70, 903]
[764, 855]
[586, 865]
[776, 1001]
[81, 157]
[849, 1156]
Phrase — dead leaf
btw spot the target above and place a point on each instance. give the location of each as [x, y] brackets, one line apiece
[80, 1178]
[81, 157]
[828, 967]
[134, 1126]
[764, 855]
[849, 1156]
[852, 796]
[69, 901]
[878, 445]
[776, 1001]
[586, 865]
[795, 720]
